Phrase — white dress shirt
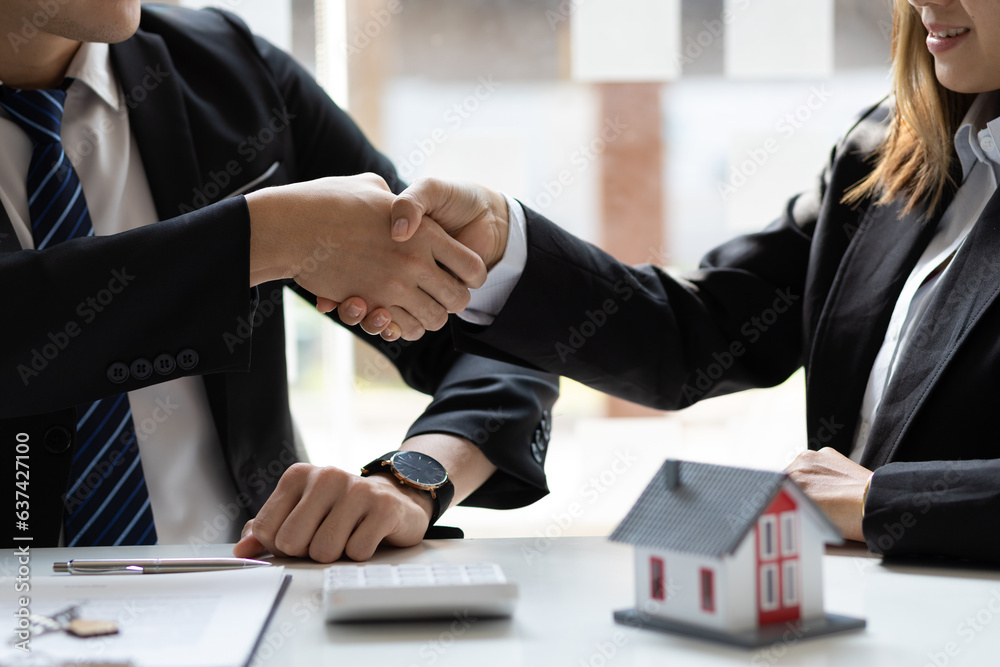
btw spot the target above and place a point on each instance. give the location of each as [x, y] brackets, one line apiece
[489, 299]
[190, 491]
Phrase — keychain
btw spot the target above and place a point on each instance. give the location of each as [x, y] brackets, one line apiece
[68, 620]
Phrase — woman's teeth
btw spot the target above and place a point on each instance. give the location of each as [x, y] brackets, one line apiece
[954, 32]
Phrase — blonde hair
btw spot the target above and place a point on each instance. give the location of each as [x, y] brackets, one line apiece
[916, 157]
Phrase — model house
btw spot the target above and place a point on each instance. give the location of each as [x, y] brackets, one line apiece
[728, 553]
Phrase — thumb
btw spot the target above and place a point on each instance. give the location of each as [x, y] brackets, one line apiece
[407, 211]
[422, 197]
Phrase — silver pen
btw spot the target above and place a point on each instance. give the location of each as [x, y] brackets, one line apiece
[153, 565]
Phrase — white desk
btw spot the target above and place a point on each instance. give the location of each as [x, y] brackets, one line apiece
[570, 587]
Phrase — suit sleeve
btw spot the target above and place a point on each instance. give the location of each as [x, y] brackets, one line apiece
[503, 408]
[935, 508]
[128, 297]
[638, 333]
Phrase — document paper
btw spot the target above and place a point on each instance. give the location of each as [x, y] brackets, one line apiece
[197, 619]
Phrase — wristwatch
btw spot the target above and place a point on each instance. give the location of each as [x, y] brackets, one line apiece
[420, 471]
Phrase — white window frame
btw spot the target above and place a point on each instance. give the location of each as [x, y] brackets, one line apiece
[775, 602]
[765, 521]
[789, 533]
[790, 573]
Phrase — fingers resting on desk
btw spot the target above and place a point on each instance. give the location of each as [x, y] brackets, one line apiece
[324, 513]
[835, 483]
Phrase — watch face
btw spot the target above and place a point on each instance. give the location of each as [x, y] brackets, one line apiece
[419, 468]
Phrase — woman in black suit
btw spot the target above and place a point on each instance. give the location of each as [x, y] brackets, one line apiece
[881, 281]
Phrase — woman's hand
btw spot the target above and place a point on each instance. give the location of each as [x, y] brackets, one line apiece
[835, 483]
[473, 215]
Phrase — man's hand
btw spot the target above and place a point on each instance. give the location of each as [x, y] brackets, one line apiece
[325, 513]
[835, 483]
[332, 237]
[474, 215]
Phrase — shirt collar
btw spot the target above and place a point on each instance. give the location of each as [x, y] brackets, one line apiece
[92, 67]
[975, 140]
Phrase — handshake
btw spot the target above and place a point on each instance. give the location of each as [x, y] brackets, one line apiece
[398, 265]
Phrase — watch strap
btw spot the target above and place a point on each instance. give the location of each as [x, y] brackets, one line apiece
[377, 465]
[443, 496]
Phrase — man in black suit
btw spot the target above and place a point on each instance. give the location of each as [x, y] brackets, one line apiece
[173, 135]
[817, 288]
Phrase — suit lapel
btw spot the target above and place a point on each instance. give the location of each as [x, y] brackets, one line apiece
[855, 317]
[967, 288]
[159, 120]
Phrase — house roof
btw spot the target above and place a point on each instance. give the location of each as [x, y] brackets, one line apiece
[709, 511]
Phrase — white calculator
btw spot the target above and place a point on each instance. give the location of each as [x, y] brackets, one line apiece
[416, 590]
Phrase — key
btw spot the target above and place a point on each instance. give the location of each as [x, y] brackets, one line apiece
[82, 627]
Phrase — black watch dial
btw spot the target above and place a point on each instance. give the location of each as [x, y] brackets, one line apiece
[419, 468]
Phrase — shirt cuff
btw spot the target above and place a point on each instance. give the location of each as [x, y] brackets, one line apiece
[489, 300]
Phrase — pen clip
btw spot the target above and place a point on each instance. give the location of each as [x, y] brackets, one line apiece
[110, 569]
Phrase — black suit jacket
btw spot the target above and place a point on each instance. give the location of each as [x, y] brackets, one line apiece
[816, 288]
[216, 111]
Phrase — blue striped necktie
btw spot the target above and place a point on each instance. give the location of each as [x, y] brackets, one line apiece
[107, 501]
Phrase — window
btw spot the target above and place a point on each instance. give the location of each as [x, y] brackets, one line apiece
[789, 534]
[707, 590]
[657, 579]
[769, 587]
[766, 530]
[790, 583]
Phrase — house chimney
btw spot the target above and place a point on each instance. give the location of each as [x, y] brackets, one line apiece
[672, 473]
